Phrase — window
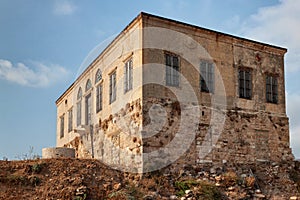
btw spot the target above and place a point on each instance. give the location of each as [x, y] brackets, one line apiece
[98, 76]
[79, 96]
[88, 110]
[70, 120]
[206, 77]
[62, 126]
[88, 85]
[271, 89]
[128, 76]
[245, 83]
[99, 98]
[112, 87]
[172, 70]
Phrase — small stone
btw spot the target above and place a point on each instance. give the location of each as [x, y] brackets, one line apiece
[218, 184]
[243, 175]
[212, 170]
[148, 197]
[218, 178]
[231, 188]
[259, 196]
[258, 191]
[188, 191]
[182, 198]
[117, 186]
[293, 198]
[172, 197]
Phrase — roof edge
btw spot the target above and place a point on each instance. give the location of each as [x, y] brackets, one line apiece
[214, 31]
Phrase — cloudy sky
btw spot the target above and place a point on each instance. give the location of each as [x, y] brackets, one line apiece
[44, 43]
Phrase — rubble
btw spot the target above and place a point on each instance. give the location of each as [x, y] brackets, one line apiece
[90, 179]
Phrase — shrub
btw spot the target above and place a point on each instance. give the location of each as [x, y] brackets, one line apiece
[249, 181]
[36, 168]
[230, 179]
[182, 186]
[208, 192]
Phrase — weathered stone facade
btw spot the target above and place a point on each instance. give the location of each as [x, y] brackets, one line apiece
[154, 124]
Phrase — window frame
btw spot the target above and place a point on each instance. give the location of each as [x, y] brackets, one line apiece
[172, 72]
[99, 97]
[245, 83]
[62, 126]
[128, 75]
[207, 76]
[88, 85]
[88, 109]
[70, 120]
[112, 86]
[79, 107]
[98, 76]
[271, 88]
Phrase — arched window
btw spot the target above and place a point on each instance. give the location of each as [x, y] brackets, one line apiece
[98, 76]
[88, 85]
[79, 96]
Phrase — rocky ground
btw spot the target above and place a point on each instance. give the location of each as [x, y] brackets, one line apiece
[80, 179]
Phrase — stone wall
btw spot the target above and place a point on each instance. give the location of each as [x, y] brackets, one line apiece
[230, 136]
[116, 140]
[58, 152]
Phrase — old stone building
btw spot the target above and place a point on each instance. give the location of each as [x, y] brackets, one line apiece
[166, 92]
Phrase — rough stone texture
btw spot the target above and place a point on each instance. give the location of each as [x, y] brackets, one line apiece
[116, 140]
[58, 152]
[155, 125]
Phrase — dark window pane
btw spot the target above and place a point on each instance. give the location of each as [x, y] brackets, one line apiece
[172, 70]
[206, 76]
[245, 84]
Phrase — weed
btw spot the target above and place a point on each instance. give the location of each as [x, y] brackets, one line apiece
[202, 190]
[29, 156]
[34, 180]
[36, 168]
[182, 186]
[208, 192]
[118, 194]
[80, 197]
[230, 179]
[16, 179]
[249, 181]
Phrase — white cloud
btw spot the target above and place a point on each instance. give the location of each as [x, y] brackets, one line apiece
[39, 75]
[64, 7]
[279, 25]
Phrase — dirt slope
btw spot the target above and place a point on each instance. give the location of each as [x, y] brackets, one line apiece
[79, 179]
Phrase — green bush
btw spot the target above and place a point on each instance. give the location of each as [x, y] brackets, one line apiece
[36, 168]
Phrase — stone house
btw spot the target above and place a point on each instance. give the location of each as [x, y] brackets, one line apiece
[166, 92]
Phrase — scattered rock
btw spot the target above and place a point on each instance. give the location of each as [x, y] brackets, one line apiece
[173, 197]
[259, 196]
[188, 191]
[117, 186]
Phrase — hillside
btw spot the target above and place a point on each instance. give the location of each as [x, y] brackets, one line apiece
[79, 179]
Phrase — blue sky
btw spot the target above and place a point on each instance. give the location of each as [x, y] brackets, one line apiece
[43, 44]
